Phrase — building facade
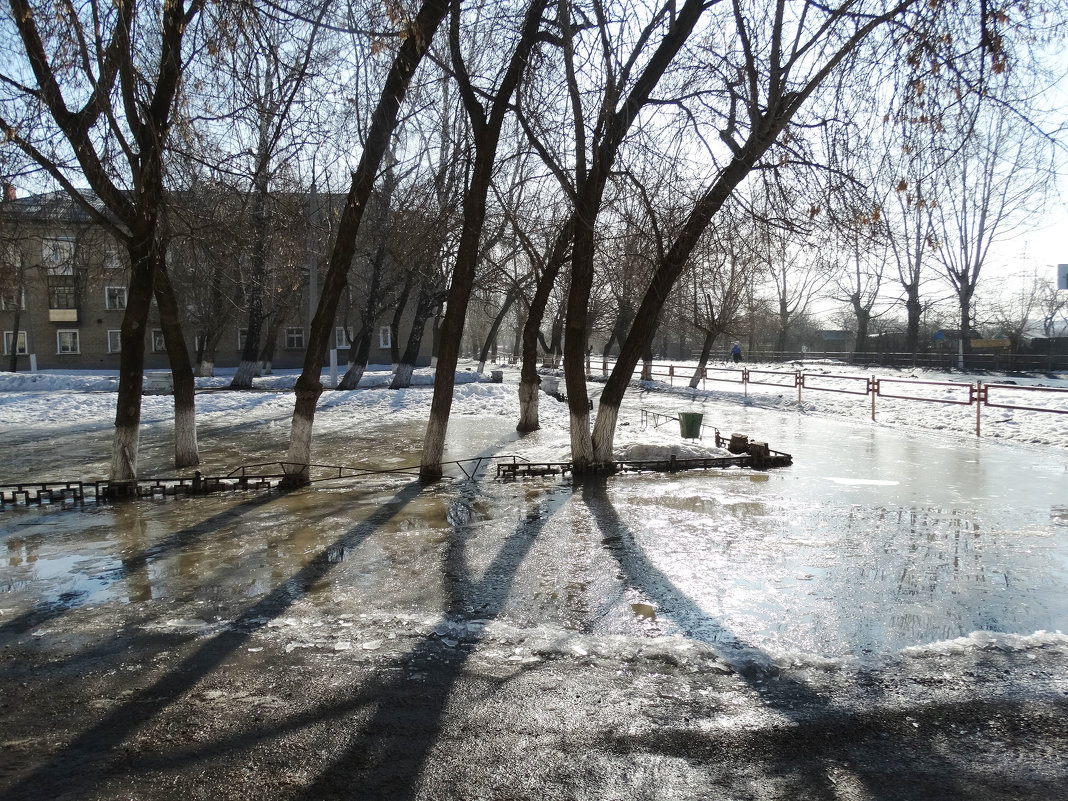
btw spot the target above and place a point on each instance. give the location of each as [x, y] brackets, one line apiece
[63, 290]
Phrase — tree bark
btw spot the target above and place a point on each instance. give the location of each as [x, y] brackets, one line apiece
[491, 337]
[16, 323]
[590, 192]
[383, 122]
[702, 363]
[487, 130]
[424, 307]
[362, 350]
[529, 380]
[394, 325]
[249, 367]
[667, 272]
[123, 468]
[186, 453]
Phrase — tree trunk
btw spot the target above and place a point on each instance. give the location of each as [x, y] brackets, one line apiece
[123, 469]
[702, 363]
[491, 337]
[529, 380]
[667, 272]
[270, 342]
[185, 426]
[213, 332]
[359, 354]
[15, 323]
[913, 311]
[965, 299]
[383, 122]
[486, 139]
[424, 307]
[863, 321]
[249, 366]
[394, 325]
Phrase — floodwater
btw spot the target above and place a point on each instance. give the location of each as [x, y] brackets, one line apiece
[873, 541]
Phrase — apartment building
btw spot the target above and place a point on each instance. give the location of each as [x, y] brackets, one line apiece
[63, 289]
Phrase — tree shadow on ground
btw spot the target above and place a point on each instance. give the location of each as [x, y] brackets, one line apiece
[85, 760]
[133, 564]
[820, 734]
[387, 757]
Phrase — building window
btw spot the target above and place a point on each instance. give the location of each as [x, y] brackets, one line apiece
[8, 336]
[385, 336]
[114, 341]
[67, 342]
[341, 340]
[115, 297]
[62, 291]
[295, 338]
[242, 336]
[112, 260]
[58, 256]
[159, 345]
[13, 300]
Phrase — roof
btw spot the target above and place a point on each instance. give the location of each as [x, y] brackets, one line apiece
[56, 206]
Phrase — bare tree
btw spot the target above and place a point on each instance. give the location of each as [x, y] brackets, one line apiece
[486, 130]
[993, 181]
[106, 76]
[723, 274]
[774, 64]
[418, 33]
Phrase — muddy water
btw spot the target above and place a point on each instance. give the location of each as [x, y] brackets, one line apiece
[873, 541]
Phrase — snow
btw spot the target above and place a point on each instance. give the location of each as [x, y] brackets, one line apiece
[49, 397]
[935, 400]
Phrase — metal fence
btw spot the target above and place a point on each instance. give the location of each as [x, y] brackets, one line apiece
[993, 394]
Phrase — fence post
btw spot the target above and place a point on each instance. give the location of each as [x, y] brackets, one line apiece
[980, 396]
[671, 375]
[799, 379]
[873, 388]
[745, 382]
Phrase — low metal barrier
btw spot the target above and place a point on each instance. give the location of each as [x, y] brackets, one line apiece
[995, 394]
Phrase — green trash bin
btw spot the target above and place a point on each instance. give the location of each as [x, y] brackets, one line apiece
[690, 423]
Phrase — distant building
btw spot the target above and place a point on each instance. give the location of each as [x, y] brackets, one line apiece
[63, 289]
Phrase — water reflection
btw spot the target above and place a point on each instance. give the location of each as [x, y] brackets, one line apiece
[784, 560]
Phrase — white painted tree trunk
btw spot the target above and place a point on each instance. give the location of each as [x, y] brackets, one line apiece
[265, 368]
[433, 361]
[695, 381]
[581, 441]
[528, 406]
[481, 367]
[434, 447]
[124, 453]
[186, 453]
[604, 433]
[206, 369]
[402, 377]
[246, 370]
[299, 455]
